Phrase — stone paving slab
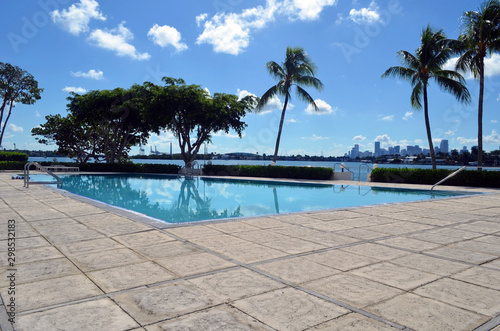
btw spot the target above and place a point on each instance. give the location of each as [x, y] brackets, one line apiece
[221, 318]
[428, 265]
[419, 313]
[298, 310]
[151, 305]
[353, 321]
[464, 295]
[129, 276]
[100, 314]
[49, 292]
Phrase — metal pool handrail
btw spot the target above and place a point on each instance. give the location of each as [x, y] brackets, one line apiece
[448, 177]
[41, 168]
[359, 173]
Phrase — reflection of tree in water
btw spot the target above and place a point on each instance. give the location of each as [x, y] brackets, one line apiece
[117, 190]
[181, 211]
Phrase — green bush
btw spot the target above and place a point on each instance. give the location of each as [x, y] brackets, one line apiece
[12, 165]
[268, 171]
[13, 156]
[473, 178]
[102, 167]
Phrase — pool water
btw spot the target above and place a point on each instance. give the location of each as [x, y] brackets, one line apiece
[177, 200]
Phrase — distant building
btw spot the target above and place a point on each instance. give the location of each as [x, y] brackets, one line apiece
[355, 151]
[377, 149]
[443, 147]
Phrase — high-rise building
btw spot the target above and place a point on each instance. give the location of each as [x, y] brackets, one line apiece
[355, 151]
[377, 148]
[443, 147]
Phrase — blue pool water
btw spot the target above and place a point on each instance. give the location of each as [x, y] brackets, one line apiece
[177, 200]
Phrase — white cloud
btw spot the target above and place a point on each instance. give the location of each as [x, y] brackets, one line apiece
[450, 133]
[92, 74]
[116, 40]
[227, 135]
[467, 141]
[493, 121]
[323, 108]
[273, 104]
[166, 35]
[305, 10]
[315, 137]
[491, 67]
[388, 118]
[200, 18]
[78, 90]
[359, 138]
[292, 120]
[493, 138]
[368, 15]
[231, 32]
[244, 93]
[385, 141]
[76, 18]
[418, 141]
[408, 115]
[15, 128]
[37, 113]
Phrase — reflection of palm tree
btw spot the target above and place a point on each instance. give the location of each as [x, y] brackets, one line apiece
[427, 63]
[276, 201]
[181, 211]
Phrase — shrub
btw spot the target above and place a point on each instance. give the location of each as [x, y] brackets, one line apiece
[269, 171]
[473, 178]
[12, 165]
[13, 156]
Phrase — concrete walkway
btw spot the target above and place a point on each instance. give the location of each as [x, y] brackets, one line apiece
[431, 265]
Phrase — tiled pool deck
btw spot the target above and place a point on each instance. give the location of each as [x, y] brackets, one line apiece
[432, 265]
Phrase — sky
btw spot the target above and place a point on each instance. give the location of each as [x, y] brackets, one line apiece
[224, 45]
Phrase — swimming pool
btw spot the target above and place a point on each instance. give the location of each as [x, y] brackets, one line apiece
[178, 200]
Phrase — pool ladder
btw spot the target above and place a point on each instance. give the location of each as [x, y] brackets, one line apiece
[448, 177]
[39, 167]
[190, 172]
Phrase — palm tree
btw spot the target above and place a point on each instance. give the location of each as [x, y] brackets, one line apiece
[480, 36]
[297, 70]
[427, 63]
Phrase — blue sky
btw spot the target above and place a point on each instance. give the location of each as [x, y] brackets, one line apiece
[223, 45]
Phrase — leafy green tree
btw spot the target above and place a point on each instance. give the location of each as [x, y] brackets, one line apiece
[100, 124]
[298, 70]
[193, 115]
[480, 37]
[427, 64]
[74, 138]
[16, 86]
[117, 116]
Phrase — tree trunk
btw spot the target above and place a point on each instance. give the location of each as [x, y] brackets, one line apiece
[275, 157]
[480, 117]
[5, 123]
[428, 128]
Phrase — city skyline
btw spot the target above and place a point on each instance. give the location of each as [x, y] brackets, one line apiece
[224, 45]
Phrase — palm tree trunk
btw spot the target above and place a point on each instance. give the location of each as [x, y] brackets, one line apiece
[480, 116]
[275, 157]
[428, 128]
